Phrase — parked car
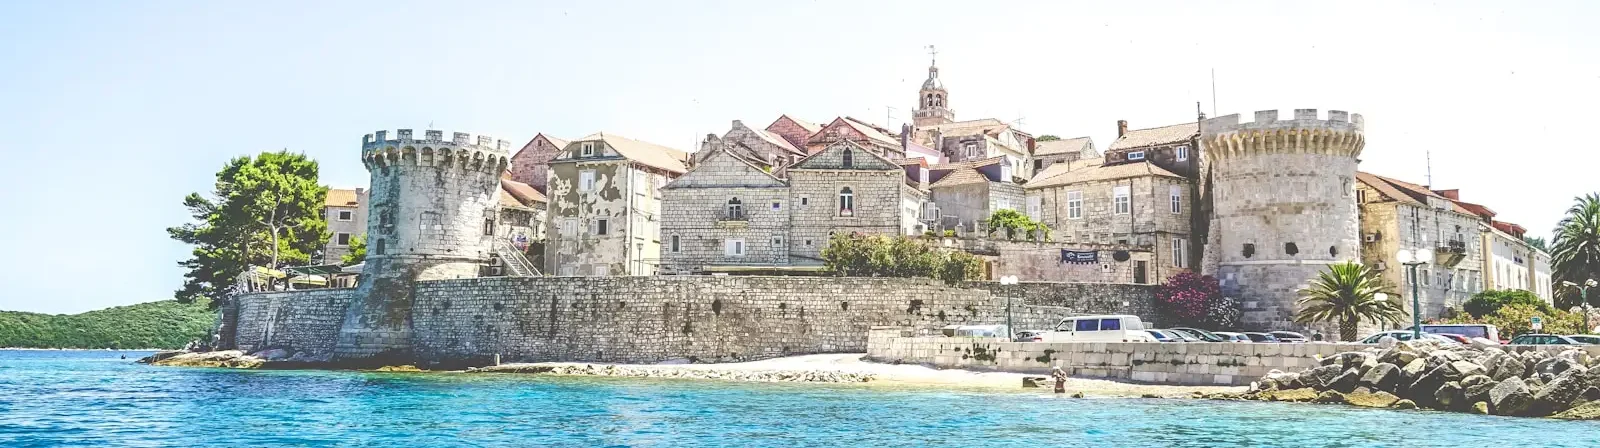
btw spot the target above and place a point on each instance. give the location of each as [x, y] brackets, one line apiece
[976, 331]
[1197, 333]
[1585, 338]
[1029, 336]
[1485, 331]
[1105, 328]
[1229, 336]
[1543, 339]
[1404, 335]
[1261, 337]
[1289, 336]
[1162, 336]
[1455, 337]
[1179, 336]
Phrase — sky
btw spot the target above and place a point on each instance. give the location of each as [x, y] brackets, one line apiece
[112, 111]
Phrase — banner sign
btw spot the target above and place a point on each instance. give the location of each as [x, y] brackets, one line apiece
[1080, 256]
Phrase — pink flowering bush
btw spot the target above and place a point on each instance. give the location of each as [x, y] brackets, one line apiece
[1189, 298]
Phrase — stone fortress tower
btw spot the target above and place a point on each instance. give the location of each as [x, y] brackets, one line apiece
[1283, 206]
[431, 202]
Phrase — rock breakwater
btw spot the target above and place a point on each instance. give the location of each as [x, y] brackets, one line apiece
[1428, 374]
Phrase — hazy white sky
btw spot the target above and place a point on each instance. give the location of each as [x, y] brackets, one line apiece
[112, 111]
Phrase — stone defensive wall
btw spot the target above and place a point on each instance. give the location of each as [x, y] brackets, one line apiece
[650, 319]
[1235, 364]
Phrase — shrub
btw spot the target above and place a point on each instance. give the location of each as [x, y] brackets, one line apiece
[1516, 318]
[1012, 221]
[898, 256]
[1188, 298]
[1487, 302]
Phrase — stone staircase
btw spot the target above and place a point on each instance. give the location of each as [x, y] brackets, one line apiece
[516, 264]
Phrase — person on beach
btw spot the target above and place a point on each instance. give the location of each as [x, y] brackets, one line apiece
[1061, 380]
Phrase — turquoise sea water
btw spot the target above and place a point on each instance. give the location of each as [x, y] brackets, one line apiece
[93, 398]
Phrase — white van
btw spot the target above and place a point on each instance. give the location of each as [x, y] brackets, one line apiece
[1107, 328]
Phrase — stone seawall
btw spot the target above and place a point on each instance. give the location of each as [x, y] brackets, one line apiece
[306, 321]
[1080, 298]
[649, 319]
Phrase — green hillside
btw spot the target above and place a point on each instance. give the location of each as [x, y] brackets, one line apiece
[164, 324]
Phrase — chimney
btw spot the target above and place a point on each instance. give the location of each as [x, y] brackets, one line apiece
[1122, 128]
[1451, 194]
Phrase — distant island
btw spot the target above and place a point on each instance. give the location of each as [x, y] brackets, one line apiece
[165, 324]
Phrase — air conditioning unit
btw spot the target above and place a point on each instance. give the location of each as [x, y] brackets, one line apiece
[1379, 266]
[1370, 237]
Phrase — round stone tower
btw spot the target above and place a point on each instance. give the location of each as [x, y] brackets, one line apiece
[430, 204]
[1284, 206]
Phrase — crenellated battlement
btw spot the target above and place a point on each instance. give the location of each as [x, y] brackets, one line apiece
[1340, 133]
[486, 154]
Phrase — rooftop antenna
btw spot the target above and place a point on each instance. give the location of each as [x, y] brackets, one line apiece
[1428, 161]
[888, 117]
[1213, 91]
[933, 55]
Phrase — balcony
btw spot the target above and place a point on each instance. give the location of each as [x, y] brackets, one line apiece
[1450, 253]
[733, 219]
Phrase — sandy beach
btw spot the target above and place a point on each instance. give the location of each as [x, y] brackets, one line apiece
[853, 365]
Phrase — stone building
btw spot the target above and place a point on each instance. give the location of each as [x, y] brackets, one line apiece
[1049, 153]
[1509, 258]
[964, 194]
[1138, 207]
[793, 130]
[519, 222]
[934, 126]
[605, 205]
[433, 200]
[868, 137]
[1401, 215]
[726, 211]
[848, 189]
[768, 150]
[1169, 147]
[531, 164]
[1282, 203]
[346, 213]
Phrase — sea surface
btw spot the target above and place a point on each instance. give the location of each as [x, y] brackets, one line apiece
[96, 398]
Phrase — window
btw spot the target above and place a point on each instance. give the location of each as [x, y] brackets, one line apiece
[569, 227]
[1035, 207]
[1119, 199]
[1290, 249]
[345, 215]
[602, 270]
[1182, 153]
[971, 150]
[586, 180]
[1002, 204]
[1426, 281]
[341, 239]
[587, 149]
[805, 200]
[1005, 172]
[849, 158]
[675, 247]
[1110, 324]
[1249, 250]
[930, 211]
[808, 243]
[923, 172]
[602, 227]
[488, 226]
[847, 202]
[1087, 325]
[777, 243]
[1176, 193]
[733, 247]
[1180, 252]
[1136, 155]
[1074, 205]
[378, 248]
[777, 205]
[735, 209]
[1361, 196]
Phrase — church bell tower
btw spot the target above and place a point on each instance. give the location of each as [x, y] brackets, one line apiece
[933, 107]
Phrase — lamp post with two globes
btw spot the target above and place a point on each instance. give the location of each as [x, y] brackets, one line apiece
[1412, 259]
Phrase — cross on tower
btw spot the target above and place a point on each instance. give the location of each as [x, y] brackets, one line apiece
[933, 55]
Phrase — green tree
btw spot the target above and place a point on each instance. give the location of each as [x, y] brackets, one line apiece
[1517, 318]
[898, 256]
[1575, 253]
[1047, 138]
[1487, 302]
[1536, 243]
[1012, 222]
[264, 211]
[358, 251]
[1347, 293]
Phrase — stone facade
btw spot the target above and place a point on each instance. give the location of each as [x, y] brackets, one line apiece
[1284, 205]
[605, 206]
[793, 130]
[346, 214]
[864, 135]
[531, 164]
[1082, 207]
[1398, 215]
[766, 149]
[866, 195]
[305, 321]
[725, 211]
[1508, 258]
[432, 202]
[1042, 261]
[1048, 153]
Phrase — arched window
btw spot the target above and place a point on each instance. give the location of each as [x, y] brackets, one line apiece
[938, 100]
[847, 202]
[849, 158]
[735, 209]
[928, 101]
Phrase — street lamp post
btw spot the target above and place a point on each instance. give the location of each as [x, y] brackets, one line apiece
[1583, 293]
[1011, 335]
[1411, 260]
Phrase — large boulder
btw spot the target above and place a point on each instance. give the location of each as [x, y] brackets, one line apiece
[1450, 396]
[1382, 377]
[1296, 395]
[1329, 397]
[1426, 387]
[1364, 398]
[1413, 370]
[1555, 366]
[1319, 378]
[1510, 397]
[1467, 368]
[1346, 381]
[1505, 366]
[1278, 379]
[1559, 394]
[1476, 388]
[1588, 411]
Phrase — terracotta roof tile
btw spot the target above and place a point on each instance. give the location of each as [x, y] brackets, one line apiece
[1405, 191]
[1063, 146]
[645, 152]
[522, 193]
[1101, 173]
[339, 197]
[1156, 136]
[962, 176]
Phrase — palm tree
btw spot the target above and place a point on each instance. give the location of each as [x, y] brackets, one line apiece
[1575, 254]
[1348, 293]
